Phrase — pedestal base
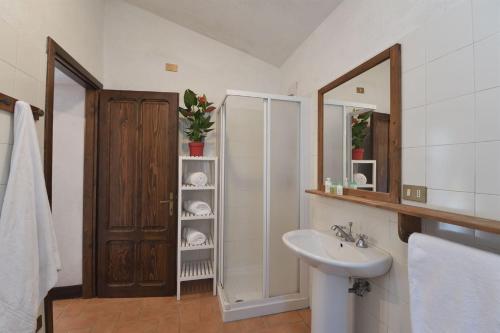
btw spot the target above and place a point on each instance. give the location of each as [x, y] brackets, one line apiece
[331, 304]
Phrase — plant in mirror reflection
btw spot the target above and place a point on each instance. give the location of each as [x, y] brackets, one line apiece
[359, 130]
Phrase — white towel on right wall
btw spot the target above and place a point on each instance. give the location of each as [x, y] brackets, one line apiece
[453, 288]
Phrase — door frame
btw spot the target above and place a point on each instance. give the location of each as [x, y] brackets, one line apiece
[58, 58]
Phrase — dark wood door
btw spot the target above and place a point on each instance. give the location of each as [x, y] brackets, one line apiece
[137, 185]
[380, 135]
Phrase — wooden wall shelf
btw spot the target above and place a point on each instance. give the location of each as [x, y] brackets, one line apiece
[410, 217]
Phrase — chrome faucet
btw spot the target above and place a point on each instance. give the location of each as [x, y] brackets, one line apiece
[342, 233]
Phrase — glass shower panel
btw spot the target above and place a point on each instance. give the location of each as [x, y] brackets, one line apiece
[284, 198]
[333, 134]
[244, 197]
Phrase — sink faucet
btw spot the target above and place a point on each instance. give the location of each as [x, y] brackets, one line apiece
[341, 232]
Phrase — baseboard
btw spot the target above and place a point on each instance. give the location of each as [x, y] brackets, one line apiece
[65, 292]
[55, 294]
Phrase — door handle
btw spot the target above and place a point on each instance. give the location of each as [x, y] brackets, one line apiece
[170, 202]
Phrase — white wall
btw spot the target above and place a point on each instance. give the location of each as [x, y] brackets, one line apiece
[24, 27]
[451, 84]
[137, 44]
[67, 178]
[375, 81]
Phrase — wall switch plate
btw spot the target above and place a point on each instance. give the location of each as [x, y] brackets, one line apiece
[415, 193]
[171, 67]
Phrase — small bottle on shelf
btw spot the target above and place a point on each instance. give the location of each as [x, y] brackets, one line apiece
[328, 185]
[339, 189]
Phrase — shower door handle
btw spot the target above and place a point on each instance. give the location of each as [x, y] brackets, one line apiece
[170, 202]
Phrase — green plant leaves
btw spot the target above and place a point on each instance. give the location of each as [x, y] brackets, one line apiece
[190, 99]
[359, 129]
[197, 115]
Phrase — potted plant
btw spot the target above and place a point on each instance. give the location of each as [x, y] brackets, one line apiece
[359, 132]
[197, 113]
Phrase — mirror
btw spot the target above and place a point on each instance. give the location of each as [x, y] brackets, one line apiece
[360, 129]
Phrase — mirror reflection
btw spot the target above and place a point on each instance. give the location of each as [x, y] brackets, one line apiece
[356, 131]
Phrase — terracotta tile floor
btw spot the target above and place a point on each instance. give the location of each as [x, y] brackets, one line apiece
[194, 313]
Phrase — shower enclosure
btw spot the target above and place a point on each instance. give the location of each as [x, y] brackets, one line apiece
[262, 187]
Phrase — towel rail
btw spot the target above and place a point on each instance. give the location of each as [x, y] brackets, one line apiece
[7, 103]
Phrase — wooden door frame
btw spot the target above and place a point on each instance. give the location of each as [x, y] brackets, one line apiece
[58, 58]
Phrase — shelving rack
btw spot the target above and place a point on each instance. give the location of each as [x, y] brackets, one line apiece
[197, 262]
[373, 163]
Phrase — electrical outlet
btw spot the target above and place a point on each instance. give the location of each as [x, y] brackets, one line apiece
[415, 193]
[171, 67]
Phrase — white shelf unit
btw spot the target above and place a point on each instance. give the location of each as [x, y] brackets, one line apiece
[373, 163]
[197, 262]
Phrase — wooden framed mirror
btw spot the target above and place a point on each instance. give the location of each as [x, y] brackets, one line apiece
[359, 129]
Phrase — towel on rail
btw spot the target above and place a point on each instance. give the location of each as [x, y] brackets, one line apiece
[193, 237]
[197, 179]
[28, 248]
[197, 207]
[453, 288]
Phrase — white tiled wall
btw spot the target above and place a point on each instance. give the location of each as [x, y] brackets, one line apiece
[24, 27]
[460, 58]
[451, 123]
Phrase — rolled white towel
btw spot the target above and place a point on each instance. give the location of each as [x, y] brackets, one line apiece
[197, 207]
[197, 179]
[193, 236]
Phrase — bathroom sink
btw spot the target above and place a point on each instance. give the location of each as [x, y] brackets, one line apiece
[334, 262]
[332, 255]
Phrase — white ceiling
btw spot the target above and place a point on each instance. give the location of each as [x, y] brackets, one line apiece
[267, 29]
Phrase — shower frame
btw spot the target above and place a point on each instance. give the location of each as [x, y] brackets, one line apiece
[266, 304]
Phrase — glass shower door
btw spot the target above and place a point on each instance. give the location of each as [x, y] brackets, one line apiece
[284, 194]
[243, 234]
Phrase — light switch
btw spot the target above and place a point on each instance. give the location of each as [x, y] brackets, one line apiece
[415, 193]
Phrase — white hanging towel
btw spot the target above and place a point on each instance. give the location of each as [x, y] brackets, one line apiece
[197, 207]
[193, 237]
[197, 179]
[453, 288]
[28, 250]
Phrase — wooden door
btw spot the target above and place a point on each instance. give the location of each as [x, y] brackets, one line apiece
[380, 136]
[136, 191]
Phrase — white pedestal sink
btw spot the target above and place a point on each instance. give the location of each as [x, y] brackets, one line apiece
[334, 262]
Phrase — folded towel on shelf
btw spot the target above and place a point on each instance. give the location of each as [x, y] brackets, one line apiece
[197, 179]
[193, 236]
[453, 287]
[197, 207]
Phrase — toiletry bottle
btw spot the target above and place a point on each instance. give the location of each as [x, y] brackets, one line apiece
[328, 185]
[340, 189]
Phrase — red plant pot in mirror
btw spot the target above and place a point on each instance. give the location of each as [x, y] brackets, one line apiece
[196, 148]
[358, 154]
